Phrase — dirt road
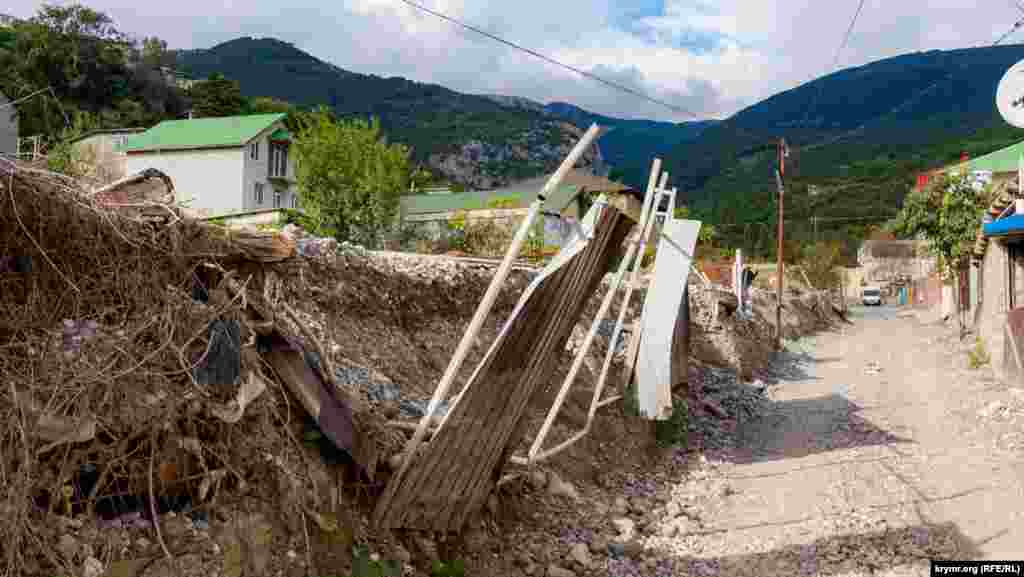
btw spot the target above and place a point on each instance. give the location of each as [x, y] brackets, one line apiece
[874, 458]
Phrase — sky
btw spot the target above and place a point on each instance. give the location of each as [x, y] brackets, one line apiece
[709, 58]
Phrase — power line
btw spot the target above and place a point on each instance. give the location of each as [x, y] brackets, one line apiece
[610, 83]
[24, 98]
[1016, 26]
[849, 31]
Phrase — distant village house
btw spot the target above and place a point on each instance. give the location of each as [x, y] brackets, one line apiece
[8, 127]
[221, 166]
[101, 152]
[508, 206]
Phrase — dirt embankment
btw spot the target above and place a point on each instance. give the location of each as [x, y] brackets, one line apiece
[267, 495]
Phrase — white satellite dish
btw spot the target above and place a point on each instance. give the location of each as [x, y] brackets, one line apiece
[1010, 95]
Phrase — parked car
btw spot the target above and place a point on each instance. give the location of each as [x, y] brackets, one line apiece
[872, 296]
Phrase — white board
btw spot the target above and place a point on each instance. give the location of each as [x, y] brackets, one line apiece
[658, 319]
[737, 279]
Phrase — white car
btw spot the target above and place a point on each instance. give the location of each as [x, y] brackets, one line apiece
[872, 296]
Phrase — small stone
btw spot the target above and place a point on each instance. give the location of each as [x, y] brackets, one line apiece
[559, 488]
[580, 554]
[143, 543]
[395, 462]
[633, 549]
[292, 555]
[616, 550]
[556, 571]
[538, 479]
[639, 506]
[673, 510]
[67, 546]
[598, 545]
[668, 529]
[626, 529]
[92, 567]
[621, 506]
[530, 568]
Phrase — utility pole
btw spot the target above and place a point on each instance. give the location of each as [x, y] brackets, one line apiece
[779, 173]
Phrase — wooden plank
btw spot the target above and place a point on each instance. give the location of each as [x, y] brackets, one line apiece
[451, 479]
[659, 317]
[681, 341]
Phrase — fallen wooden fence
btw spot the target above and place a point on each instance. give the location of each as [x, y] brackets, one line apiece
[441, 487]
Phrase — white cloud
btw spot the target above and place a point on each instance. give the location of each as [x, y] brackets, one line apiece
[763, 46]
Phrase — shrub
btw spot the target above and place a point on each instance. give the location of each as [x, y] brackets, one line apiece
[977, 357]
[674, 431]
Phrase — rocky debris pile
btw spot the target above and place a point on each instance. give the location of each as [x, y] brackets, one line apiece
[719, 401]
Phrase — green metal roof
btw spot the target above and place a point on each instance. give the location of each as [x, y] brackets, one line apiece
[1002, 160]
[281, 135]
[431, 203]
[220, 132]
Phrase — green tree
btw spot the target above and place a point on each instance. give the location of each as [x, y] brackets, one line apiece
[217, 96]
[349, 180]
[70, 59]
[154, 52]
[707, 234]
[947, 214]
[821, 262]
[63, 157]
[267, 105]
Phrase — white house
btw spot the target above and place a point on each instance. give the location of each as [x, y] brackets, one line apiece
[220, 165]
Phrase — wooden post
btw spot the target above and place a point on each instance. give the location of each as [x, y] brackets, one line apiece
[779, 272]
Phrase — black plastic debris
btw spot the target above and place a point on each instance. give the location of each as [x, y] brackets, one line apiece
[199, 291]
[329, 453]
[16, 264]
[222, 364]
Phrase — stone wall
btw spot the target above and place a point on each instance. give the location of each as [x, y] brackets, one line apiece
[990, 316]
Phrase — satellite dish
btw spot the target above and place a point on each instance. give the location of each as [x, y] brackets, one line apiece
[1010, 95]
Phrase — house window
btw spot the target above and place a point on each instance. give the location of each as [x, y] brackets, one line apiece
[257, 192]
[277, 199]
[295, 200]
[278, 160]
[254, 151]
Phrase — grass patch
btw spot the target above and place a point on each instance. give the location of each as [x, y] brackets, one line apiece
[674, 431]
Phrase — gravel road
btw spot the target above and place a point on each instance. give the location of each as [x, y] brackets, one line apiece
[882, 453]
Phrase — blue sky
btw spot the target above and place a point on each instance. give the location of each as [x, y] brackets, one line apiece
[711, 58]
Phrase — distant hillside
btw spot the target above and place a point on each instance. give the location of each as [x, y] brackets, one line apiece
[857, 135]
[632, 144]
[468, 138]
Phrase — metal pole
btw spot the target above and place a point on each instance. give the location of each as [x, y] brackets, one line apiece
[779, 272]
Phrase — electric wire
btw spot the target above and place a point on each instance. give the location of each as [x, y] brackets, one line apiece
[550, 60]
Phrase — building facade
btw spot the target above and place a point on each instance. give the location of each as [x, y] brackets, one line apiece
[101, 153]
[221, 165]
[8, 127]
